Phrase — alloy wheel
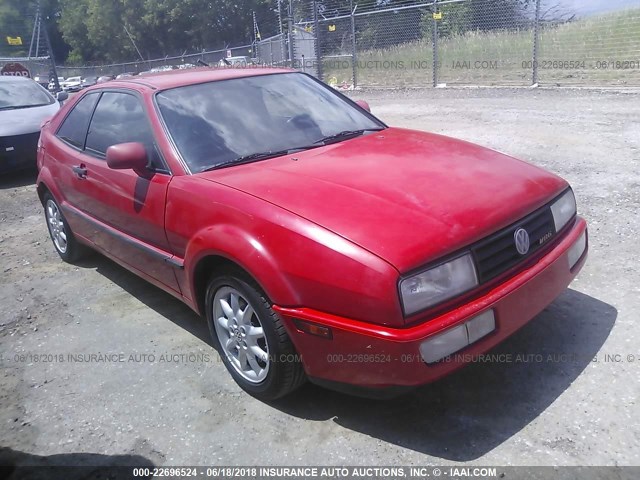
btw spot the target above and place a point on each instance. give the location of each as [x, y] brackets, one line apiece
[240, 334]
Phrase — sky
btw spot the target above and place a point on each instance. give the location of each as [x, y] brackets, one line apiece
[597, 6]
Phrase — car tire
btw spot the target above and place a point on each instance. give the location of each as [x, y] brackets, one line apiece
[251, 338]
[61, 235]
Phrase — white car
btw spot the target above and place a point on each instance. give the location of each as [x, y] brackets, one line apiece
[24, 105]
[72, 84]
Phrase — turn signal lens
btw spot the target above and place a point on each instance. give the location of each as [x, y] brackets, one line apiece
[313, 329]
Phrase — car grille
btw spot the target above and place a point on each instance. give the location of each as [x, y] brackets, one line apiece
[18, 150]
[497, 253]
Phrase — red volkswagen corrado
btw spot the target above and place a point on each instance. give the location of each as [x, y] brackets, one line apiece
[319, 243]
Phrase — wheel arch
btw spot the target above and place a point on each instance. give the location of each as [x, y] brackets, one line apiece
[212, 262]
[45, 183]
[202, 273]
[42, 188]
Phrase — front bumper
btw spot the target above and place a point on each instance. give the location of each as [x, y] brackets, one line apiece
[18, 151]
[373, 356]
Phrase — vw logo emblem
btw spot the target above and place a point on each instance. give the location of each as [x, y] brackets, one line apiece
[521, 238]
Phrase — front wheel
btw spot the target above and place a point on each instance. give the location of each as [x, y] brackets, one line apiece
[251, 338]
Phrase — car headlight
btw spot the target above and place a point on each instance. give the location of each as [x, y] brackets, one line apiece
[563, 209]
[438, 284]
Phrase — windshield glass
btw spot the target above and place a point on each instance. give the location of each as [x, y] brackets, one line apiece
[216, 123]
[19, 93]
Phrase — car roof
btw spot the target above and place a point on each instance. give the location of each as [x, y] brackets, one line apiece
[179, 78]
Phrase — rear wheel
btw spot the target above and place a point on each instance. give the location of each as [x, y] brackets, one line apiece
[59, 231]
[251, 338]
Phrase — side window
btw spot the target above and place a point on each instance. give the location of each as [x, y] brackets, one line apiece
[74, 128]
[120, 118]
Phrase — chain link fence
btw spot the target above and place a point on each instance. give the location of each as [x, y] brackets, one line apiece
[477, 42]
[408, 43]
[602, 49]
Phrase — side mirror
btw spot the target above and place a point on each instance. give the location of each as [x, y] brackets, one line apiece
[127, 155]
[62, 96]
[364, 105]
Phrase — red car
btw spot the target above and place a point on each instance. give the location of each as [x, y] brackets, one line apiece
[319, 243]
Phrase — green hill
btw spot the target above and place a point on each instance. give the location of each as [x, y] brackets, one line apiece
[599, 50]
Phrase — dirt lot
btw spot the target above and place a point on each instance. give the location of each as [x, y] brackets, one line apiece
[576, 406]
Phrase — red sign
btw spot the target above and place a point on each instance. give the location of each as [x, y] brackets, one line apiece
[16, 70]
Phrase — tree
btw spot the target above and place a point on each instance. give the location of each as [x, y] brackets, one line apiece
[498, 14]
[16, 20]
[97, 30]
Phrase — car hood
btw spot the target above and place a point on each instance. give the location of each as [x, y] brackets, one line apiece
[407, 196]
[25, 120]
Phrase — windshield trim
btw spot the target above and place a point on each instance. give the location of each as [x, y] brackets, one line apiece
[178, 154]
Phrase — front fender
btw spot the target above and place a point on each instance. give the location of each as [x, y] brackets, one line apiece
[295, 261]
[244, 249]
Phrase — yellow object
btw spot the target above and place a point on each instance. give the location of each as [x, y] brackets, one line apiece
[14, 40]
[437, 15]
[332, 28]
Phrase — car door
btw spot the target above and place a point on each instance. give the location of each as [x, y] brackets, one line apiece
[126, 208]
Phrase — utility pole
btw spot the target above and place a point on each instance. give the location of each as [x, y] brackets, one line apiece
[54, 70]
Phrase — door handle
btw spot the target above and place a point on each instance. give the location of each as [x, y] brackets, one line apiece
[80, 171]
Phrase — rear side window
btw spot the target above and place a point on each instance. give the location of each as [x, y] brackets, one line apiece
[119, 118]
[74, 128]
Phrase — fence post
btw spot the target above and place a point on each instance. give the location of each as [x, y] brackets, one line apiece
[290, 33]
[283, 53]
[536, 44]
[354, 59]
[434, 42]
[316, 31]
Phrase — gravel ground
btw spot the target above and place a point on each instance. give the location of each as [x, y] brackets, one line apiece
[163, 397]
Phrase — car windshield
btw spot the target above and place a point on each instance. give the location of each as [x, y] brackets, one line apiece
[22, 94]
[220, 123]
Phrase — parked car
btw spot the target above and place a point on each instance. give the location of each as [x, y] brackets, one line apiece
[125, 75]
[163, 68]
[23, 106]
[89, 81]
[72, 84]
[104, 78]
[235, 62]
[42, 80]
[317, 242]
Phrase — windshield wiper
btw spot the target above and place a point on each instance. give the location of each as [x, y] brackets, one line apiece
[345, 135]
[254, 157]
